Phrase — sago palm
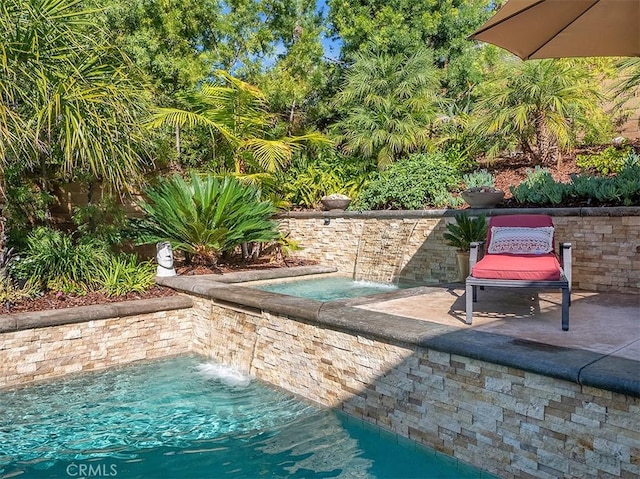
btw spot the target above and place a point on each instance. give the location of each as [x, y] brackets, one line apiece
[389, 103]
[205, 216]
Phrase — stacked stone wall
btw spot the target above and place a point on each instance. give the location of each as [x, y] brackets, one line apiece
[606, 249]
[507, 421]
[49, 352]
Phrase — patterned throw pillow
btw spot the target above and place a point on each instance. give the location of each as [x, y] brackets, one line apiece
[521, 240]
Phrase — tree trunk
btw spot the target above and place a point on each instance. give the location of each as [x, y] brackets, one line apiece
[545, 141]
[241, 167]
[291, 117]
[177, 142]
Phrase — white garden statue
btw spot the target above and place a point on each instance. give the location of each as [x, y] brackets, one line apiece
[164, 257]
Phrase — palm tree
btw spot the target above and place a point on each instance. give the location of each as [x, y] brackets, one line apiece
[626, 89]
[68, 106]
[236, 112]
[389, 102]
[541, 104]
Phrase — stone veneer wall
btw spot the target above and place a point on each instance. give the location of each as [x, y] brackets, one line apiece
[86, 344]
[408, 245]
[507, 421]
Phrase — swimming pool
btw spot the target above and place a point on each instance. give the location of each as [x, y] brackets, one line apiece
[188, 418]
[330, 288]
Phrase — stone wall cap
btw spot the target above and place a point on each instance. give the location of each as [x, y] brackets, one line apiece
[575, 365]
[81, 314]
[383, 214]
[188, 282]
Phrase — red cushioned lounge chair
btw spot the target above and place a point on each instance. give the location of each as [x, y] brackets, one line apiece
[520, 253]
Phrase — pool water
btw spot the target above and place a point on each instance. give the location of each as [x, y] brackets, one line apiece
[187, 418]
[330, 288]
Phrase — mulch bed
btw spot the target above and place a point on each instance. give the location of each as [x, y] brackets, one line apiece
[54, 300]
[236, 264]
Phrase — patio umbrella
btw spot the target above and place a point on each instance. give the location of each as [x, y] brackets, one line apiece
[565, 28]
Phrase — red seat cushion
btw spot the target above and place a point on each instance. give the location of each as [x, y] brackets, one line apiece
[541, 267]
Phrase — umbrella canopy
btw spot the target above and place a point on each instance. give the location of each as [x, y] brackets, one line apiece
[565, 28]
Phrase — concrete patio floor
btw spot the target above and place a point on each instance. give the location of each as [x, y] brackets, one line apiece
[606, 323]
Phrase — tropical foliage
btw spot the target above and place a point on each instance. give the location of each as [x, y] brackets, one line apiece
[465, 230]
[69, 105]
[311, 178]
[541, 105]
[122, 274]
[55, 261]
[113, 94]
[235, 112]
[205, 217]
[389, 103]
[59, 263]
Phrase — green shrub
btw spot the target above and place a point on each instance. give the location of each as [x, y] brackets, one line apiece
[308, 180]
[101, 221]
[460, 157]
[10, 291]
[205, 216]
[417, 182]
[123, 274]
[479, 178]
[608, 161]
[54, 261]
[539, 187]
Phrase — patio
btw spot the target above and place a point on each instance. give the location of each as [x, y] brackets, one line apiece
[605, 323]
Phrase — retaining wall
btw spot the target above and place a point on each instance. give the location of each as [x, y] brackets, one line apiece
[408, 245]
[51, 344]
[505, 420]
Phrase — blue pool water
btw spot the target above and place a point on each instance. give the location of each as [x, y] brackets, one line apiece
[187, 418]
[330, 288]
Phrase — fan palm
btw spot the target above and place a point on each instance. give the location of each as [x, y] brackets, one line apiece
[626, 89]
[236, 111]
[542, 104]
[390, 101]
[205, 216]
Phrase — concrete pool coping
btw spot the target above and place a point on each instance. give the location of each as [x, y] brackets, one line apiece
[373, 316]
[81, 314]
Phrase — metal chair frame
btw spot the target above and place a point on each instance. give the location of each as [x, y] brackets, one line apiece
[564, 283]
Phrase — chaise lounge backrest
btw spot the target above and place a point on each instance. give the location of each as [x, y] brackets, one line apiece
[513, 221]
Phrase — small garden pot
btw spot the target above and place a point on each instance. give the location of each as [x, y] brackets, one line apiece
[335, 203]
[463, 264]
[482, 199]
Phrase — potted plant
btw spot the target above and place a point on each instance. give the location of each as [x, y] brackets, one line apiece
[461, 233]
[335, 201]
[480, 190]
